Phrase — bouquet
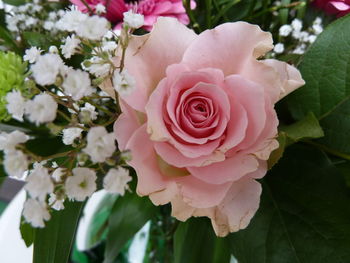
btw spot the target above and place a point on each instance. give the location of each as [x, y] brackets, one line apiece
[215, 131]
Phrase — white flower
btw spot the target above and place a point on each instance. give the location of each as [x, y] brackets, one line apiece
[312, 38]
[88, 113]
[299, 50]
[279, 48]
[30, 21]
[15, 105]
[70, 134]
[304, 36]
[297, 24]
[133, 20]
[70, 46]
[49, 25]
[57, 174]
[53, 50]
[100, 9]
[41, 109]
[46, 69]
[109, 46]
[100, 144]
[77, 83]
[15, 164]
[124, 84]
[52, 16]
[71, 20]
[93, 28]
[57, 204]
[116, 180]
[35, 213]
[39, 183]
[32, 54]
[285, 30]
[97, 67]
[318, 29]
[8, 141]
[81, 185]
[12, 21]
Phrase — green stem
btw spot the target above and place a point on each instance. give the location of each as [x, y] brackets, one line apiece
[328, 150]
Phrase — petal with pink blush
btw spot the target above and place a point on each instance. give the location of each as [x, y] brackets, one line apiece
[238, 207]
[144, 161]
[153, 49]
[228, 47]
[172, 156]
[251, 97]
[200, 194]
[232, 169]
[164, 196]
[289, 75]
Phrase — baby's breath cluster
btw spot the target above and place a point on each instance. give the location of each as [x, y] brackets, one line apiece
[66, 101]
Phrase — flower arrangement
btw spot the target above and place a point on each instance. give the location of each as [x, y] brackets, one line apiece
[205, 124]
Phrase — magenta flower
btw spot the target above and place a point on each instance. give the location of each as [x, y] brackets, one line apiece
[334, 7]
[150, 9]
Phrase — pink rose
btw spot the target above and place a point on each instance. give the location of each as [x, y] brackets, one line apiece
[334, 7]
[201, 123]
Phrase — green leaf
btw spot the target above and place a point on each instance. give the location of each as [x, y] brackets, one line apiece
[303, 216]
[326, 71]
[195, 241]
[15, 2]
[53, 243]
[37, 39]
[27, 233]
[308, 127]
[129, 214]
[8, 40]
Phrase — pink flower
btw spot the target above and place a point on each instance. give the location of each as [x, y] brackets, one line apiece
[334, 7]
[150, 9]
[114, 8]
[201, 122]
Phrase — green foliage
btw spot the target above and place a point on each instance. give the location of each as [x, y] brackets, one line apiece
[53, 243]
[303, 216]
[12, 74]
[195, 241]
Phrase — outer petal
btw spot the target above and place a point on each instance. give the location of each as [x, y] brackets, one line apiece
[238, 207]
[144, 161]
[232, 169]
[148, 56]
[228, 47]
[289, 75]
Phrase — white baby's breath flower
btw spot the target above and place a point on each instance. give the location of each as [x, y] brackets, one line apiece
[77, 83]
[39, 183]
[30, 21]
[15, 164]
[97, 66]
[297, 24]
[133, 20]
[70, 134]
[35, 212]
[300, 49]
[81, 185]
[100, 144]
[70, 46]
[71, 20]
[123, 82]
[285, 30]
[279, 48]
[93, 28]
[15, 104]
[53, 50]
[32, 54]
[318, 29]
[41, 109]
[88, 113]
[109, 45]
[8, 141]
[58, 173]
[46, 69]
[116, 180]
[311, 38]
[57, 204]
[49, 25]
[100, 9]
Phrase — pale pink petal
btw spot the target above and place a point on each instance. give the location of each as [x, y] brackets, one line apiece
[289, 75]
[228, 47]
[232, 169]
[144, 161]
[238, 207]
[148, 56]
[164, 196]
[199, 194]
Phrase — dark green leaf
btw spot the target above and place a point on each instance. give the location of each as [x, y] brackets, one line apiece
[303, 216]
[8, 40]
[129, 214]
[195, 241]
[15, 2]
[53, 243]
[37, 39]
[326, 71]
[308, 127]
[27, 233]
